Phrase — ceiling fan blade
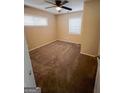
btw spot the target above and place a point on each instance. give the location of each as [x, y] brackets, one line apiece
[50, 2]
[67, 8]
[64, 2]
[50, 7]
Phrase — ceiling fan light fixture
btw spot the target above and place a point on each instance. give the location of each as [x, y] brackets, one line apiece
[58, 8]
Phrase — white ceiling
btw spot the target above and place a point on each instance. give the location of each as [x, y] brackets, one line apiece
[76, 5]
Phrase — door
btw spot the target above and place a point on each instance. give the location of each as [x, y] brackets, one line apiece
[29, 80]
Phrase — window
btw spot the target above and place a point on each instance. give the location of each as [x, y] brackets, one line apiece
[35, 21]
[75, 25]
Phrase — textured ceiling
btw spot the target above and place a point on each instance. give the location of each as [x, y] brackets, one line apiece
[76, 5]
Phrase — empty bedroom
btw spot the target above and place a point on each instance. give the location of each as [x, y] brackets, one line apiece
[62, 46]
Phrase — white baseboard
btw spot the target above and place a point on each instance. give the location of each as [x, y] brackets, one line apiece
[51, 42]
[63, 41]
[68, 41]
[42, 45]
[87, 54]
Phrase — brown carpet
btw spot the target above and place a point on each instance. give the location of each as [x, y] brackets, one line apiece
[60, 68]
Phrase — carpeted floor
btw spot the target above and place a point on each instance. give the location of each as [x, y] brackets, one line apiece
[60, 68]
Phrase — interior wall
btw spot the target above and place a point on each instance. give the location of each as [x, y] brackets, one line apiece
[91, 28]
[39, 35]
[63, 28]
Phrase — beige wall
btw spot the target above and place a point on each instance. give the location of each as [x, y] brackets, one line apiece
[91, 28]
[63, 28]
[37, 36]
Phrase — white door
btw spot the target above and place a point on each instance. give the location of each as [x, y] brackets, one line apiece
[29, 80]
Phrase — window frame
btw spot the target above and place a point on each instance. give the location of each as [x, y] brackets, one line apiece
[72, 32]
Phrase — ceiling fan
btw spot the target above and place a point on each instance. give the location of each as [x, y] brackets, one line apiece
[58, 4]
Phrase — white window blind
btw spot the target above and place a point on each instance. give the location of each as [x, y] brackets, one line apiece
[35, 21]
[75, 25]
